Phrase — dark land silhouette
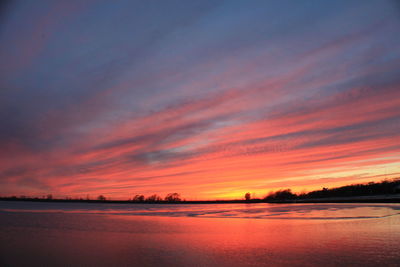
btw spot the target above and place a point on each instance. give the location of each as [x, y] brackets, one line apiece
[385, 191]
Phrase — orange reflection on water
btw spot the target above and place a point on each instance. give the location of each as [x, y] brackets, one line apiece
[299, 235]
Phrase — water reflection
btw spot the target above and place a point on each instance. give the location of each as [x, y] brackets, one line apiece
[106, 237]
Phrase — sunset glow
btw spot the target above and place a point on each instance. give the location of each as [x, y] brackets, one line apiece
[210, 99]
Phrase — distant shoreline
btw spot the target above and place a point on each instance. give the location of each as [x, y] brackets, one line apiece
[392, 198]
[386, 191]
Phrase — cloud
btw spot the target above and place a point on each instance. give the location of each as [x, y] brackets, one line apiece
[207, 99]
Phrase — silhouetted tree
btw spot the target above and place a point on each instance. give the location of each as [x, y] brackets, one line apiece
[173, 197]
[49, 197]
[247, 196]
[397, 189]
[285, 194]
[138, 198]
[101, 198]
[154, 198]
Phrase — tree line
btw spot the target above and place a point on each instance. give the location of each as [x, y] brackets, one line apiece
[385, 187]
[170, 198]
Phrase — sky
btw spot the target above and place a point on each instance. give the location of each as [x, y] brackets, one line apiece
[210, 99]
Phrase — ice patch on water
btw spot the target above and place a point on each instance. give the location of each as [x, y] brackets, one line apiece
[317, 211]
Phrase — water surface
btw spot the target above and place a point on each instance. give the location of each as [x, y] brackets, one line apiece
[88, 234]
